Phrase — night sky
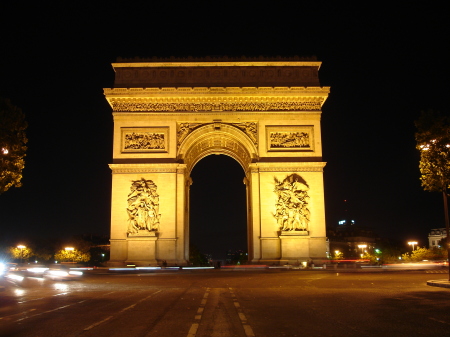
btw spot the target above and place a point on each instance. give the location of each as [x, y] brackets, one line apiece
[384, 65]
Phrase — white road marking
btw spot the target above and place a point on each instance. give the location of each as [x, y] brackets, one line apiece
[247, 328]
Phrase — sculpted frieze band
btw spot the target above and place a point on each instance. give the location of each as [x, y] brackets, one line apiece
[210, 106]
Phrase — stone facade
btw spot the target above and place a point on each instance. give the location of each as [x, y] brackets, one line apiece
[435, 236]
[169, 115]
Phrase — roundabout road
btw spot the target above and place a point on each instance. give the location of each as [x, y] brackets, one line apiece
[241, 302]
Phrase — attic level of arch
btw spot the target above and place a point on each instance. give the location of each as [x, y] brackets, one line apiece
[216, 74]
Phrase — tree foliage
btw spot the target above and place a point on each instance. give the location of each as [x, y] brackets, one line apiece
[433, 141]
[74, 255]
[12, 145]
[20, 253]
[421, 254]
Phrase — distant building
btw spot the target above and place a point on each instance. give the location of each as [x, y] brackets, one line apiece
[350, 240]
[435, 236]
[236, 257]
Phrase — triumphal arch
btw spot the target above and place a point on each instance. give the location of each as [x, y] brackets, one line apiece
[170, 113]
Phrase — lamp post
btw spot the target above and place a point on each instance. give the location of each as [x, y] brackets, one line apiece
[412, 243]
[362, 249]
[71, 249]
[21, 247]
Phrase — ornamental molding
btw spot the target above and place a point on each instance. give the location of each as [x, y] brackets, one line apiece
[249, 128]
[252, 104]
[292, 169]
[144, 168]
[208, 91]
[160, 63]
[223, 144]
[287, 167]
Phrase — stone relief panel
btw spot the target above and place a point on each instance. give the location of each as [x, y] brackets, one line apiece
[290, 138]
[291, 209]
[143, 208]
[145, 139]
[185, 129]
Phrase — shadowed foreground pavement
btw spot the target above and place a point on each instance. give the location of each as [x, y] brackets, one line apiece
[233, 302]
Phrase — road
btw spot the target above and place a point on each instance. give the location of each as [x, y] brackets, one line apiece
[228, 303]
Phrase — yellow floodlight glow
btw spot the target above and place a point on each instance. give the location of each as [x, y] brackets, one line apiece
[412, 243]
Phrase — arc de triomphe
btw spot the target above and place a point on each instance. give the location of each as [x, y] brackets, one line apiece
[169, 114]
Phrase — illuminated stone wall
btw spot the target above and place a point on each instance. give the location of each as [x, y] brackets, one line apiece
[170, 115]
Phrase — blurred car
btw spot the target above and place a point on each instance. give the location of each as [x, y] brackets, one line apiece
[3, 269]
[61, 273]
[34, 270]
[6, 267]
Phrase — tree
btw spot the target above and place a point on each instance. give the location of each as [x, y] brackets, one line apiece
[72, 255]
[20, 254]
[433, 141]
[12, 145]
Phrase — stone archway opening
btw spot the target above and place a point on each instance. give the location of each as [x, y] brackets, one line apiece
[218, 213]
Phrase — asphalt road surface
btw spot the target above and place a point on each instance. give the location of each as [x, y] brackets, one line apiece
[228, 303]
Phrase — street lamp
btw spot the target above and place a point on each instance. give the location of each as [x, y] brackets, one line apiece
[412, 243]
[362, 249]
[21, 247]
[70, 249]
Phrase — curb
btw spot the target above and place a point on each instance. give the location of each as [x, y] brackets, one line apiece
[439, 283]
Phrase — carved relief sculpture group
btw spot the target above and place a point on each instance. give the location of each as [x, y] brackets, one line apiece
[144, 141]
[289, 140]
[292, 213]
[143, 207]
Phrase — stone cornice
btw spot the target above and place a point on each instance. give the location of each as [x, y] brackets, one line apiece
[216, 58]
[216, 91]
[216, 99]
[217, 64]
[145, 168]
[287, 167]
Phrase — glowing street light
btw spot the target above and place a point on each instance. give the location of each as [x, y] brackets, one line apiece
[412, 243]
[362, 249]
[21, 247]
[71, 249]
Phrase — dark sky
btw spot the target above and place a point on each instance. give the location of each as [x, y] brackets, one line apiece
[384, 65]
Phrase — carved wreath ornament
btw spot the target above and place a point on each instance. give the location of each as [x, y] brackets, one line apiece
[292, 213]
[143, 207]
